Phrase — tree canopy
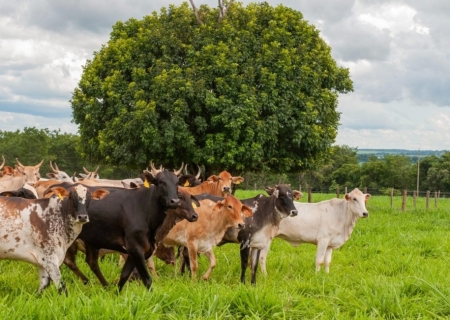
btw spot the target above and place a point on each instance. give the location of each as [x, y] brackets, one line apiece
[256, 90]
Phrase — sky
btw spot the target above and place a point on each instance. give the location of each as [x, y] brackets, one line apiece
[398, 54]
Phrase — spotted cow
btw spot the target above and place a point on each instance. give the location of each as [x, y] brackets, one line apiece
[40, 231]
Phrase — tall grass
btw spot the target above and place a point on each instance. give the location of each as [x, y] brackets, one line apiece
[395, 266]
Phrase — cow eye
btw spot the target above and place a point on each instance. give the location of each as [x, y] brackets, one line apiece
[230, 207]
[354, 199]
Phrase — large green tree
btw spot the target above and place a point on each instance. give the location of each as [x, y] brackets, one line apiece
[256, 89]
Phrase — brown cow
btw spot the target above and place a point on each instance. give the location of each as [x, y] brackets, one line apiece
[201, 236]
[216, 185]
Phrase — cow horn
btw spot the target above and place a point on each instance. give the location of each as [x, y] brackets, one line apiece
[154, 170]
[40, 163]
[96, 170]
[18, 162]
[85, 171]
[199, 172]
[177, 173]
[51, 167]
[3, 162]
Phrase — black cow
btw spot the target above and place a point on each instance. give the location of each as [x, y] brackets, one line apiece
[261, 227]
[20, 193]
[128, 222]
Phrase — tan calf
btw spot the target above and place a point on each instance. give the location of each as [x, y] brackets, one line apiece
[201, 236]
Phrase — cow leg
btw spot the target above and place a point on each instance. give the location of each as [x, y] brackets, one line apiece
[136, 250]
[184, 259]
[44, 279]
[52, 270]
[320, 255]
[255, 260]
[212, 264]
[328, 259]
[92, 261]
[151, 266]
[128, 267]
[193, 260]
[263, 258]
[70, 261]
[244, 262]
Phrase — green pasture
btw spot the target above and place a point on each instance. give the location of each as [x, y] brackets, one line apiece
[395, 266]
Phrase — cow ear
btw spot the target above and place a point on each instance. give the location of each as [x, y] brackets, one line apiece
[269, 190]
[60, 192]
[195, 202]
[297, 195]
[347, 197]
[213, 178]
[247, 211]
[99, 194]
[6, 194]
[237, 180]
[367, 196]
[51, 175]
[219, 205]
[148, 178]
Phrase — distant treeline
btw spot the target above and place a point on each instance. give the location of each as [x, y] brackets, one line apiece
[347, 167]
[365, 154]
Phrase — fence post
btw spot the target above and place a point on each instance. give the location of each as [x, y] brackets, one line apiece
[345, 190]
[439, 193]
[255, 185]
[428, 200]
[414, 198]
[435, 199]
[392, 196]
[365, 190]
[309, 195]
[404, 201]
[337, 192]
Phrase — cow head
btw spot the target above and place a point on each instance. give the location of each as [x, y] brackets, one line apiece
[78, 200]
[58, 174]
[284, 199]
[166, 186]
[357, 203]
[224, 181]
[189, 180]
[30, 173]
[234, 210]
[187, 205]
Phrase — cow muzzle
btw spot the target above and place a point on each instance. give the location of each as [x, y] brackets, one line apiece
[240, 226]
[226, 189]
[293, 213]
[365, 214]
[193, 218]
[82, 218]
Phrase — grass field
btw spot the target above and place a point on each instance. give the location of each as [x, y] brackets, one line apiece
[395, 266]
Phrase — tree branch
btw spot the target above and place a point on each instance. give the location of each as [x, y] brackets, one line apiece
[197, 16]
[223, 8]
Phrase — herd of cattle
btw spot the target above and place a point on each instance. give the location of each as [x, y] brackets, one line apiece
[46, 221]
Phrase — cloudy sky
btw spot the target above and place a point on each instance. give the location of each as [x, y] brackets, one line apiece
[398, 53]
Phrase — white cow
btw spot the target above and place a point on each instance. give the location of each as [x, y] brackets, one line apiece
[40, 231]
[327, 224]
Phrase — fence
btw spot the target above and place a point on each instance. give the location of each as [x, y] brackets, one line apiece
[430, 197]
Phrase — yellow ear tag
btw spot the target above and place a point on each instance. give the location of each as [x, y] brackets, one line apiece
[186, 184]
[146, 184]
[194, 205]
[60, 196]
[237, 182]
